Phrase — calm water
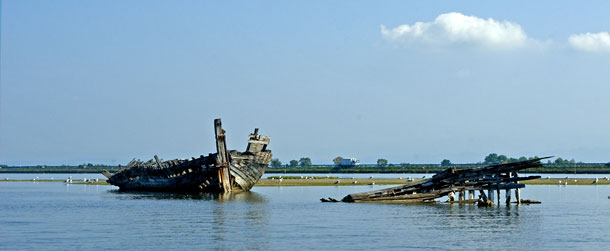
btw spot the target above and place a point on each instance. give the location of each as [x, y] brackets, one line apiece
[58, 216]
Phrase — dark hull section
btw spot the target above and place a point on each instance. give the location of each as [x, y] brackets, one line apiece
[191, 182]
[185, 175]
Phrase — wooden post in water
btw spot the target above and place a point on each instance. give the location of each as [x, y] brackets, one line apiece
[462, 195]
[482, 195]
[510, 175]
[222, 157]
[471, 194]
[490, 194]
[498, 194]
[517, 191]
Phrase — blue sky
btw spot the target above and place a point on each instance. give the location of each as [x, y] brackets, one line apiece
[103, 82]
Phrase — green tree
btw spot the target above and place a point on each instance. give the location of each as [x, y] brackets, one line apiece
[445, 162]
[337, 161]
[522, 158]
[276, 163]
[382, 162]
[559, 160]
[502, 159]
[305, 161]
[294, 163]
[492, 158]
[531, 158]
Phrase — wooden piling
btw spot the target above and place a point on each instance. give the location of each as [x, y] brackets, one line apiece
[222, 157]
[482, 195]
[517, 191]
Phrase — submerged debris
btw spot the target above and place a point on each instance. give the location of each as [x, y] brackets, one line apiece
[528, 202]
[329, 200]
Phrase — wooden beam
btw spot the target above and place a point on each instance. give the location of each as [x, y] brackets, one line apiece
[222, 157]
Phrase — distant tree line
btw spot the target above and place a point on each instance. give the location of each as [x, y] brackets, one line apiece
[302, 162]
[490, 159]
[494, 158]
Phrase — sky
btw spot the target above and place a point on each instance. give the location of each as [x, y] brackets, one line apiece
[411, 82]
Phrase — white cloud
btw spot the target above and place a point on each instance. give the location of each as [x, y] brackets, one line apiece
[591, 42]
[453, 27]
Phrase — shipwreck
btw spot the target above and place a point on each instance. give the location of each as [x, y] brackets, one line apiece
[223, 171]
[452, 181]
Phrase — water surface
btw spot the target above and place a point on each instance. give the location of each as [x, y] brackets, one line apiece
[77, 217]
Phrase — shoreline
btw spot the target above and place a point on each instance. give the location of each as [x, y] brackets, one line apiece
[323, 181]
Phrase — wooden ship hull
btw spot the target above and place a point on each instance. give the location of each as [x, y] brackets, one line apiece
[223, 171]
[451, 181]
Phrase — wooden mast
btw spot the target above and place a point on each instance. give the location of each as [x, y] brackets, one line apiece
[222, 157]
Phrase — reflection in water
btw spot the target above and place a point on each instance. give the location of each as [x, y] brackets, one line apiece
[253, 218]
[215, 217]
[250, 197]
